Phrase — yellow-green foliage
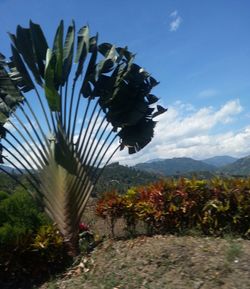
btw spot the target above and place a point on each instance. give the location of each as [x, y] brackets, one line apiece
[49, 243]
[46, 236]
[215, 206]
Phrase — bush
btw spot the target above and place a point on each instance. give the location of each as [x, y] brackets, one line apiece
[3, 195]
[19, 216]
[49, 243]
[215, 207]
[31, 248]
[110, 207]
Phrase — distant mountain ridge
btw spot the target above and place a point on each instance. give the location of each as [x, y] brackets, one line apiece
[154, 160]
[225, 165]
[175, 166]
[9, 169]
[207, 168]
[220, 161]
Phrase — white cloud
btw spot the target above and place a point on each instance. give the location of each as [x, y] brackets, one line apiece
[174, 14]
[187, 107]
[207, 93]
[175, 24]
[182, 133]
[187, 131]
[176, 21]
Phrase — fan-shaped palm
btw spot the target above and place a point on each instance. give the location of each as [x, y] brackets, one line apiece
[60, 137]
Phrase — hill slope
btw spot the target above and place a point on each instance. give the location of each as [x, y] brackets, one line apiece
[118, 177]
[114, 177]
[240, 167]
[162, 262]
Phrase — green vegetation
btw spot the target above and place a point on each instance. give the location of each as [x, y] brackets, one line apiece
[121, 178]
[19, 217]
[239, 167]
[31, 248]
[7, 184]
[233, 252]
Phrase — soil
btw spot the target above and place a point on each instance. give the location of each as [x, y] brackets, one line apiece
[158, 262]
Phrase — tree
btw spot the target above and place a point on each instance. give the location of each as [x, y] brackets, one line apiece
[60, 124]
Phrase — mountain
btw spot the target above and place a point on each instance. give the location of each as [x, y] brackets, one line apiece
[175, 166]
[7, 184]
[240, 167]
[8, 169]
[154, 160]
[118, 177]
[220, 161]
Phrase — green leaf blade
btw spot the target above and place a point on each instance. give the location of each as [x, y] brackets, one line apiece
[68, 51]
[58, 51]
[50, 89]
[20, 66]
[82, 49]
[40, 46]
[24, 46]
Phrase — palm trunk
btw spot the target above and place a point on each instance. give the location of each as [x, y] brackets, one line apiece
[72, 245]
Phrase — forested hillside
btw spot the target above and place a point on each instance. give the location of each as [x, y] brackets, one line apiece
[118, 177]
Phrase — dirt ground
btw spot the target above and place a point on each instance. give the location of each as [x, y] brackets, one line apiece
[159, 262]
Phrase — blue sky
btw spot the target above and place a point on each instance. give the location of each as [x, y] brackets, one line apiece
[198, 50]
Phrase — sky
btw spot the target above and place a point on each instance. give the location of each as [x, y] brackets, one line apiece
[198, 50]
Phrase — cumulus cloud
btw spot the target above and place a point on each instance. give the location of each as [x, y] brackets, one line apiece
[192, 133]
[176, 21]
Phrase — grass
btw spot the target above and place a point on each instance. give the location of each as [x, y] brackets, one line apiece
[234, 251]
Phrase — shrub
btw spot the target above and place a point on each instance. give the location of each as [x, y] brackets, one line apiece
[19, 216]
[34, 259]
[215, 207]
[30, 247]
[49, 243]
[3, 195]
[110, 207]
[87, 239]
